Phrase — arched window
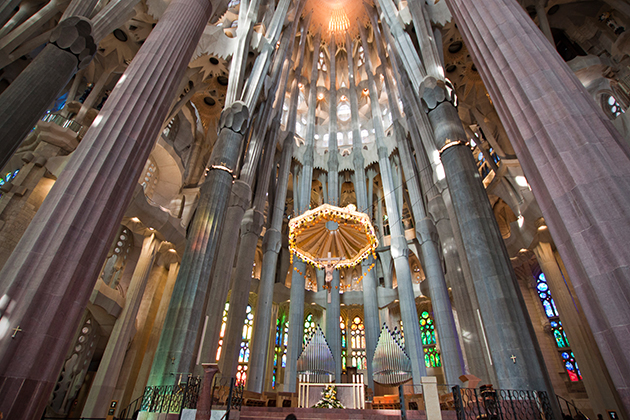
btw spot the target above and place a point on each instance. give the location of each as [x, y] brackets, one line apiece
[243, 355]
[357, 341]
[344, 342]
[611, 106]
[222, 333]
[309, 328]
[560, 337]
[149, 178]
[8, 177]
[280, 349]
[427, 333]
[117, 258]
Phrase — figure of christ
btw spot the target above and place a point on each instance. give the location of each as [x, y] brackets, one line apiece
[330, 264]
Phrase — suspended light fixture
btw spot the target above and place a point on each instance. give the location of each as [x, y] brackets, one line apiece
[339, 21]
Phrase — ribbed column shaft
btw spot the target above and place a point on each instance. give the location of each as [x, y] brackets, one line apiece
[52, 271]
[106, 377]
[576, 162]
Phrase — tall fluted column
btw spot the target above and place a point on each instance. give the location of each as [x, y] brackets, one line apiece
[272, 244]
[296, 309]
[370, 296]
[595, 377]
[571, 154]
[62, 251]
[156, 331]
[399, 249]
[426, 233]
[104, 382]
[333, 309]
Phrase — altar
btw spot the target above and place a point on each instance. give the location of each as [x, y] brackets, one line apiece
[350, 395]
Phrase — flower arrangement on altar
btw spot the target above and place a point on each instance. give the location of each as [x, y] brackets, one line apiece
[329, 398]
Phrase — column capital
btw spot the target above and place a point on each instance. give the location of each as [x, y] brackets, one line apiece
[426, 231]
[252, 222]
[433, 92]
[272, 241]
[235, 117]
[240, 195]
[74, 35]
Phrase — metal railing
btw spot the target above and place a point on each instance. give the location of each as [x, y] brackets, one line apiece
[232, 401]
[171, 398]
[487, 403]
[562, 402]
[130, 411]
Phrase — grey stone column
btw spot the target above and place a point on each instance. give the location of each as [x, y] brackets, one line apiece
[296, 325]
[571, 154]
[439, 207]
[426, 233]
[65, 245]
[333, 309]
[595, 377]
[296, 309]
[71, 47]
[364, 200]
[399, 249]
[272, 242]
[106, 377]
[178, 339]
[251, 227]
[509, 331]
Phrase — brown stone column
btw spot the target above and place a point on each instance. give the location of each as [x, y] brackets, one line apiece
[577, 164]
[45, 285]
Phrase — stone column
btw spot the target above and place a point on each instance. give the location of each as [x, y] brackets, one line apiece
[333, 309]
[426, 233]
[272, 242]
[296, 324]
[71, 47]
[106, 377]
[595, 377]
[364, 201]
[509, 330]
[156, 331]
[543, 22]
[576, 162]
[399, 249]
[62, 251]
[296, 309]
[438, 206]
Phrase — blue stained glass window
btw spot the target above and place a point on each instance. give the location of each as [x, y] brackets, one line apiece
[557, 330]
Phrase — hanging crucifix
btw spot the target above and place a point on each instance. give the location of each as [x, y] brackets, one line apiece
[329, 264]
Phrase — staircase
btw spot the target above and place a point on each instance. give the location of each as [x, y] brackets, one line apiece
[279, 413]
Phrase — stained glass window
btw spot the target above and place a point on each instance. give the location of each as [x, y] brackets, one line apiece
[243, 355]
[280, 347]
[427, 334]
[560, 337]
[222, 333]
[8, 177]
[427, 329]
[357, 341]
[432, 357]
[309, 328]
[344, 342]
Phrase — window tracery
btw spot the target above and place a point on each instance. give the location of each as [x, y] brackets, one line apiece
[560, 337]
